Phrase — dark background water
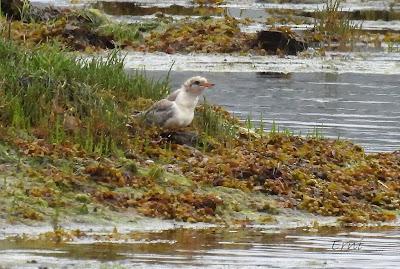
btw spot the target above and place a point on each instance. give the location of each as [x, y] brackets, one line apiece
[361, 107]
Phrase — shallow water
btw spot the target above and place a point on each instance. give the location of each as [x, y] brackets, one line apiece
[361, 107]
[216, 248]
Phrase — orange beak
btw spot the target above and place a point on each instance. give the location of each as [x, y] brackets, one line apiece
[208, 85]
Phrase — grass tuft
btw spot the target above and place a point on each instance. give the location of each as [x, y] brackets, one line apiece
[69, 98]
[334, 25]
[156, 172]
[214, 123]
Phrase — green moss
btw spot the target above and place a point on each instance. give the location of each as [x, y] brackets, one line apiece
[83, 198]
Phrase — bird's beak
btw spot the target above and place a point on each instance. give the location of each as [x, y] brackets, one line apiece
[208, 85]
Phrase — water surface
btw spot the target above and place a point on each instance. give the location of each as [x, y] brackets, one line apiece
[217, 248]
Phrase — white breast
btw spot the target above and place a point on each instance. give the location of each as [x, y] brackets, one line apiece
[184, 106]
[182, 117]
[185, 116]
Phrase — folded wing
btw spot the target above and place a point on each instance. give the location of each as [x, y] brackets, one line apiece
[160, 112]
[173, 95]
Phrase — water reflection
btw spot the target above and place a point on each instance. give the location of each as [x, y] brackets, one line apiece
[220, 248]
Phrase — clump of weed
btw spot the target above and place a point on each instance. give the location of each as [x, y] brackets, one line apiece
[208, 35]
[208, 2]
[127, 34]
[83, 30]
[156, 172]
[333, 25]
[214, 123]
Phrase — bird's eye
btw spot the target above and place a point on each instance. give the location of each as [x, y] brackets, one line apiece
[196, 83]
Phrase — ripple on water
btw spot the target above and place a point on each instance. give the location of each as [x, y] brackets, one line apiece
[219, 248]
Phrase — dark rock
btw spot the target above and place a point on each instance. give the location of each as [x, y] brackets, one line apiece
[82, 37]
[47, 13]
[274, 75]
[182, 138]
[274, 40]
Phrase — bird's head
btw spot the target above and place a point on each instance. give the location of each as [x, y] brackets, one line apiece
[196, 85]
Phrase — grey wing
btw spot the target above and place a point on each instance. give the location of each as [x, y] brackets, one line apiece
[160, 112]
[173, 95]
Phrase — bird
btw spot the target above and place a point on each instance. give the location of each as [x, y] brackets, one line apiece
[177, 109]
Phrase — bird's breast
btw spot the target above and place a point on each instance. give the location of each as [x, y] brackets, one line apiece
[184, 115]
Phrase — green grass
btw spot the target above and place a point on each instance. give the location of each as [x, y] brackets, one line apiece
[316, 133]
[124, 33]
[84, 100]
[25, 10]
[276, 130]
[335, 24]
[156, 172]
[121, 33]
[213, 124]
